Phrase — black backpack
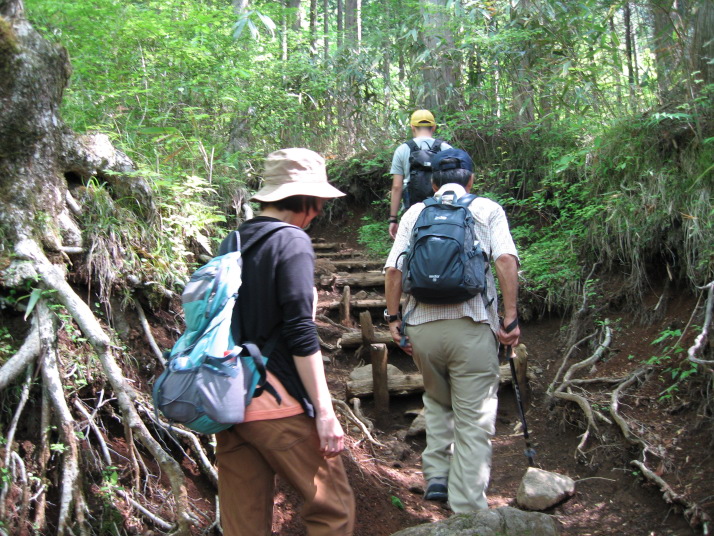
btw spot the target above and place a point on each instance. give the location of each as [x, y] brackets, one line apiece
[444, 262]
[419, 186]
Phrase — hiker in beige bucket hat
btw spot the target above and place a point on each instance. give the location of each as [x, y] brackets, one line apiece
[277, 305]
[295, 171]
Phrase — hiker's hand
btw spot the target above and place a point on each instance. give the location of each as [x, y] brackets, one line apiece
[395, 332]
[393, 228]
[509, 338]
[332, 438]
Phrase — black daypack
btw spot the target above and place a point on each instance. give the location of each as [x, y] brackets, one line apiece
[444, 262]
[419, 185]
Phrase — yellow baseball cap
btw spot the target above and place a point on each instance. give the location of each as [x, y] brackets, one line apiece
[422, 118]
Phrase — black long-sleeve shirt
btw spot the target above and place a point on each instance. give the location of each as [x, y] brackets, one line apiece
[277, 292]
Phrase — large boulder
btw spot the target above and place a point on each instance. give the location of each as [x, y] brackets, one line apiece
[504, 521]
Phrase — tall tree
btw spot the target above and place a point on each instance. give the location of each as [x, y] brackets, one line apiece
[522, 88]
[702, 50]
[439, 72]
[353, 24]
[664, 45]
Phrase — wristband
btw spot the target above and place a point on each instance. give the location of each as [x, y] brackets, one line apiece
[393, 219]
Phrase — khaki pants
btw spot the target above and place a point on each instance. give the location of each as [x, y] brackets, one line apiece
[251, 454]
[459, 362]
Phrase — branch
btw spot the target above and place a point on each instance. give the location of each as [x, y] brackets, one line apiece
[565, 360]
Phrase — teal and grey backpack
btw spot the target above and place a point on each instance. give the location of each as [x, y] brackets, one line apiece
[210, 378]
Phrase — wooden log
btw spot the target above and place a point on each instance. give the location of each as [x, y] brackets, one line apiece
[378, 355]
[364, 279]
[360, 304]
[344, 305]
[325, 245]
[362, 264]
[365, 323]
[353, 339]
[335, 254]
[361, 382]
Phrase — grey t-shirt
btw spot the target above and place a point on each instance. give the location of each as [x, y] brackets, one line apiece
[400, 160]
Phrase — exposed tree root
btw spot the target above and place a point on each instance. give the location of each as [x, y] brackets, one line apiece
[343, 408]
[71, 489]
[693, 513]
[149, 336]
[699, 343]
[27, 353]
[53, 279]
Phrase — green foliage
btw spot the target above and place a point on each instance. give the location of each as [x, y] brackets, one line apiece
[7, 345]
[374, 232]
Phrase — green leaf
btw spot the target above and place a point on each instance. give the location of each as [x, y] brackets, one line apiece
[36, 294]
[396, 501]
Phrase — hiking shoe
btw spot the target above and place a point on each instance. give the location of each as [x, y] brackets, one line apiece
[436, 491]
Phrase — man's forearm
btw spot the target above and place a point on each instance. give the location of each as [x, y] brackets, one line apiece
[393, 289]
[507, 272]
[396, 198]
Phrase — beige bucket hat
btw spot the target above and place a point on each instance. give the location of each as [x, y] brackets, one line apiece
[295, 171]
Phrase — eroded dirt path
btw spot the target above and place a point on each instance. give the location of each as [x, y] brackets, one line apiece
[610, 499]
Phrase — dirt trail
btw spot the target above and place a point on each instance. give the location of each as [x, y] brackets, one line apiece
[610, 499]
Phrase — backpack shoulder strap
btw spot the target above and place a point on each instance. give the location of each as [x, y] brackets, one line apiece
[429, 201]
[436, 146]
[466, 200]
[412, 145]
[267, 230]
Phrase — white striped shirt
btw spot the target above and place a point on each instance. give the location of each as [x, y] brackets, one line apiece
[491, 230]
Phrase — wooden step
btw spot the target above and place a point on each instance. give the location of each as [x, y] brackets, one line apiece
[361, 304]
[354, 264]
[337, 254]
[364, 279]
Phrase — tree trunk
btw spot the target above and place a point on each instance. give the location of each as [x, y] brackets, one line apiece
[629, 51]
[313, 27]
[340, 23]
[663, 44]
[326, 28]
[439, 71]
[353, 24]
[702, 49]
[523, 90]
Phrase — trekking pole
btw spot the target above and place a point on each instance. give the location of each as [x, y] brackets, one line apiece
[530, 451]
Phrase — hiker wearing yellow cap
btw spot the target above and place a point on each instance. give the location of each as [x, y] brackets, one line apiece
[410, 163]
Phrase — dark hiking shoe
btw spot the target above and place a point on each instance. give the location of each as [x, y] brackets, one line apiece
[436, 491]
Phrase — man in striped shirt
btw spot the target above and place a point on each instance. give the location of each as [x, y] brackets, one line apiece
[455, 347]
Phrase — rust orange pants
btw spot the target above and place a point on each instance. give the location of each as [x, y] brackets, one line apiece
[251, 454]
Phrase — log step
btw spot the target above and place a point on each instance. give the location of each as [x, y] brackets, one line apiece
[355, 264]
[364, 279]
